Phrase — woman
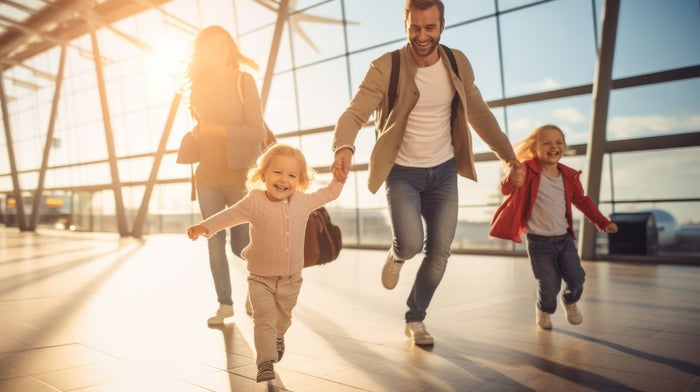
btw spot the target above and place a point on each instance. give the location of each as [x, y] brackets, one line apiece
[230, 132]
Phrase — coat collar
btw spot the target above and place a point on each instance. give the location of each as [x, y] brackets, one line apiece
[534, 164]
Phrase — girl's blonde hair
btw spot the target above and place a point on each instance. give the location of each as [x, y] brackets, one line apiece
[525, 149]
[255, 174]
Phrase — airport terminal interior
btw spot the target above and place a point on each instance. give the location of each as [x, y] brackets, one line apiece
[100, 289]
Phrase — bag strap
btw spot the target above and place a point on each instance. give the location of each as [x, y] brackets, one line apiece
[393, 79]
[453, 63]
[193, 192]
[239, 86]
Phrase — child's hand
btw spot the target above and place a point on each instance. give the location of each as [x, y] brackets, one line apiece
[516, 173]
[195, 231]
[611, 228]
[337, 169]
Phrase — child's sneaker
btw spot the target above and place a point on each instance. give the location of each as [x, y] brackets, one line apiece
[280, 348]
[266, 371]
[543, 319]
[223, 312]
[573, 315]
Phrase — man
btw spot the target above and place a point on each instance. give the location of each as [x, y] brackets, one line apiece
[420, 149]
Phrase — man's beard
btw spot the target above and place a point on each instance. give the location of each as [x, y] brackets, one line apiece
[423, 51]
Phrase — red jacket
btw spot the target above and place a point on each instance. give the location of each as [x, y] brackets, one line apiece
[512, 215]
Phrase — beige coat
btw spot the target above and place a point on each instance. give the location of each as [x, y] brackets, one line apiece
[372, 96]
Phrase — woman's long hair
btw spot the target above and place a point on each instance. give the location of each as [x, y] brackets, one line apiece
[197, 69]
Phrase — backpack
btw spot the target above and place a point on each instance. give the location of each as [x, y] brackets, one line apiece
[323, 239]
[394, 78]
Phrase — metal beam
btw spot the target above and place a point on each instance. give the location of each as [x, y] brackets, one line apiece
[137, 228]
[109, 138]
[49, 139]
[19, 46]
[282, 13]
[19, 204]
[602, 84]
[62, 10]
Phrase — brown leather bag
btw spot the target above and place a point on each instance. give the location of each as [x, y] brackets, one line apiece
[323, 239]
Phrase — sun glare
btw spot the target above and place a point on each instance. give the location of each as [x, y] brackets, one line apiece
[167, 57]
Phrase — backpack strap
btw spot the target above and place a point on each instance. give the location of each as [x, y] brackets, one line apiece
[394, 78]
[453, 63]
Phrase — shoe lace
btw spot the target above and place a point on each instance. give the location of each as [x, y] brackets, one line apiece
[265, 367]
[418, 328]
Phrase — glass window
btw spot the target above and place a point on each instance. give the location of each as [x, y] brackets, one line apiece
[504, 5]
[482, 54]
[639, 111]
[281, 112]
[548, 47]
[458, 11]
[571, 114]
[322, 95]
[655, 35]
[317, 33]
[657, 174]
[369, 28]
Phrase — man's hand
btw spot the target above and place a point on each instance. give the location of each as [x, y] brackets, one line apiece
[341, 164]
[516, 172]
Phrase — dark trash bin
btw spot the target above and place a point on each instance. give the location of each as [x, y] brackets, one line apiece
[637, 235]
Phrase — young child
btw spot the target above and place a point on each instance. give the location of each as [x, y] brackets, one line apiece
[277, 209]
[541, 207]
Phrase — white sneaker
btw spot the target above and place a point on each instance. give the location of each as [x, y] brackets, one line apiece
[223, 312]
[417, 332]
[543, 319]
[573, 315]
[390, 272]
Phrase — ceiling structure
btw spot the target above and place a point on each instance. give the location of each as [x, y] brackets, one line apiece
[29, 27]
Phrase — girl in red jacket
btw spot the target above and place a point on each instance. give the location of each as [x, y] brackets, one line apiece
[541, 207]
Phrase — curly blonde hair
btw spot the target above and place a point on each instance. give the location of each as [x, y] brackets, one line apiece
[255, 174]
[525, 149]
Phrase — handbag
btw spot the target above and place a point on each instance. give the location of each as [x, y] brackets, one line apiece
[188, 153]
[323, 239]
[189, 148]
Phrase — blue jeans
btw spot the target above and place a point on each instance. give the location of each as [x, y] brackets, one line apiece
[211, 201]
[431, 194]
[553, 259]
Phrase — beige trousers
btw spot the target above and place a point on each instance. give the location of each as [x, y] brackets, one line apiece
[272, 299]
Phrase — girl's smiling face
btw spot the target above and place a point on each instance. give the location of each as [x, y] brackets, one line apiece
[550, 146]
[281, 177]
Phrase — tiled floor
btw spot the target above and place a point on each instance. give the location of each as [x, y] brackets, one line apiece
[97, 313]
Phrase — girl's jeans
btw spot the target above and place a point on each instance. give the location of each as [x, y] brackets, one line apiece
[415, 195]
[553, 259]
[211, 201]
[272, 298]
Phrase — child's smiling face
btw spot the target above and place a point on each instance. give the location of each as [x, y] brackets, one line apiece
[550, 146]
[281, 177]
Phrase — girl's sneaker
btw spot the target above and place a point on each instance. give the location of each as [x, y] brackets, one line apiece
[266, 371]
